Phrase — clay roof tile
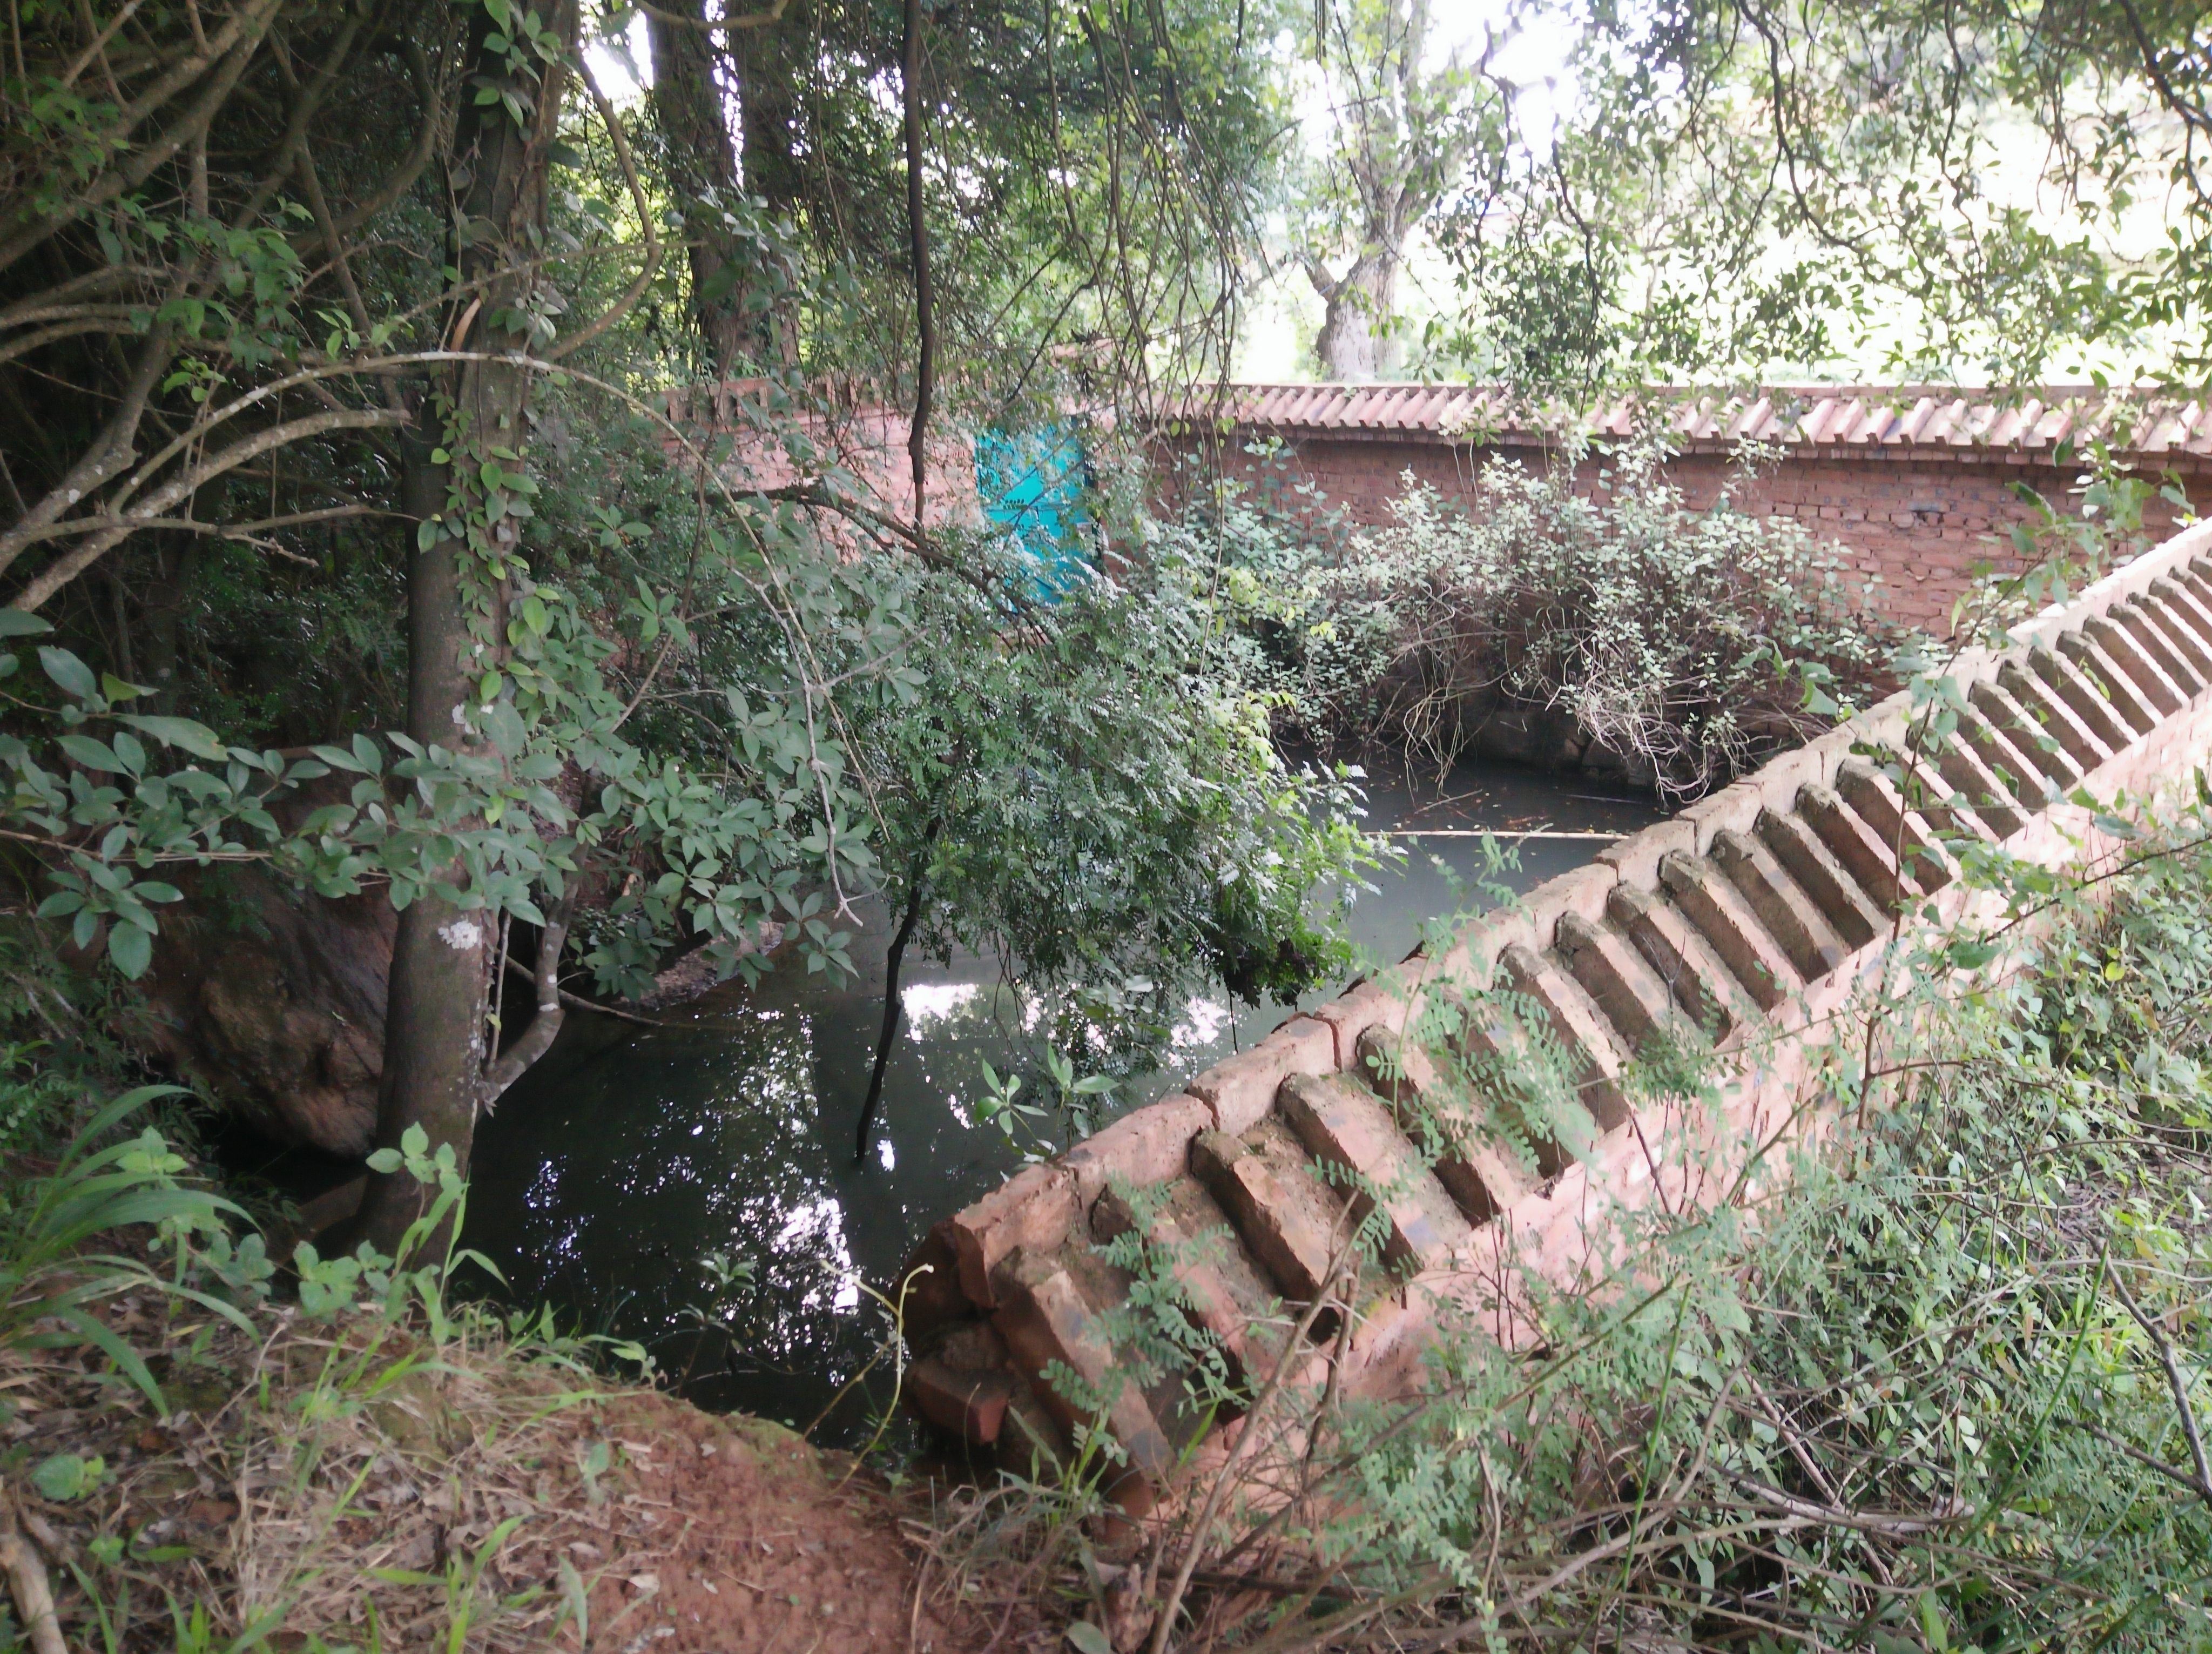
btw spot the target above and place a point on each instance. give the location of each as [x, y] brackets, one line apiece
[1815, 416]
[1746, 419]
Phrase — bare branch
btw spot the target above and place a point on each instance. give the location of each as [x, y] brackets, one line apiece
[622, 307]
[2174, 1381]
[537, 1039]
[64, 570]
[227, 54]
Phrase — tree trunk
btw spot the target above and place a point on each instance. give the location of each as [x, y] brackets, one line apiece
[436, 1016]
[894, 957]
[176, 561]
[768, 83]
[693, 115]
[702, 163]
[1356, 342]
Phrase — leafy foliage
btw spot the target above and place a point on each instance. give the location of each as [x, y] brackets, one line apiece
[2013, 191]
[703, 647]
[1666, 636]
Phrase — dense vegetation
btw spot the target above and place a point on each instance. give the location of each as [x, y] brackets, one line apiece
[2002, 192]
[429, 475]
[1940, 1387]
[382, 487]
[1606, 626]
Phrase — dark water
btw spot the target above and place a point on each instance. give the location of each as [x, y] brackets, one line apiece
[634, 1168]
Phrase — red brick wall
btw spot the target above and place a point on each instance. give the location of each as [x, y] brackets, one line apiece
[1912, 523]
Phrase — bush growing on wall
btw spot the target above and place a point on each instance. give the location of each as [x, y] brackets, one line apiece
[1623, 632]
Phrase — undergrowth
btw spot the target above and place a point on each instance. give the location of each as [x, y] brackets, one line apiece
[188, 1463]
[1588, 597]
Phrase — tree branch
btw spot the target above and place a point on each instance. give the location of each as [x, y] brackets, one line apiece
[110, 453]
[228, 53]
[410, 168]
[622, 307]
[2174, 1382]
[64, 570]
[537, 1039]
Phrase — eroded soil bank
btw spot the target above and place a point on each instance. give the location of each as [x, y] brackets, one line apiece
[357, 1484]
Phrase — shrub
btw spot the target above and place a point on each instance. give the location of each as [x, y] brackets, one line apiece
[1620, 629]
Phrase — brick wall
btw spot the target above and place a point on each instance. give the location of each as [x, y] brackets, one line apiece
[1912, 522]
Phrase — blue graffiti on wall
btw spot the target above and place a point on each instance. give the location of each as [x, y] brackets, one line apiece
[1032, 485]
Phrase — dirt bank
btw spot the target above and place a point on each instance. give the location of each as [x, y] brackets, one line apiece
[360, 1484]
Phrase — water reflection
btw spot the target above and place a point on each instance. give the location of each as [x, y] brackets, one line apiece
[625, 1177]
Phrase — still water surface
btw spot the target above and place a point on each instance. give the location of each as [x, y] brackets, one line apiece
[631, 1157]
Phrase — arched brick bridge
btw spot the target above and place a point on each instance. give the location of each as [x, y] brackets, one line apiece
[1758, 914]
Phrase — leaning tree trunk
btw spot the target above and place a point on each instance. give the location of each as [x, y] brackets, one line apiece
[436, 1021]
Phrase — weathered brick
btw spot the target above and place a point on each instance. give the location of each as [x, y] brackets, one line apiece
[1143, 1146]
[1243, 1089]
[1035, 1208]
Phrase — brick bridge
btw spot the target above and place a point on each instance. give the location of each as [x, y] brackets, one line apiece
[1762, 913]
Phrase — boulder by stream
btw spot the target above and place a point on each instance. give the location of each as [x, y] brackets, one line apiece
[275, 1005]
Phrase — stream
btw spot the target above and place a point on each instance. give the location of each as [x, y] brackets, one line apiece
[692, 1186]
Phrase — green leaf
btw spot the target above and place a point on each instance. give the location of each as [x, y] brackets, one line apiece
[385, 1160]
[64, 1476]
[93, 755]
[116, 690]
[74, 677]
[1087, 1638]
[182, 732]
[132, 947]
[16, 623]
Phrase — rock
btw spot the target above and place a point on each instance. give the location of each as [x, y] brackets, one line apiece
[274, 1001]
[276, 1005]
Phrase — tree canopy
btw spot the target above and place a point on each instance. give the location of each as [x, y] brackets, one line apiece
[427, 474]
[2013, 190]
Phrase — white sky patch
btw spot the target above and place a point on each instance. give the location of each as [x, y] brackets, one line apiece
[623, 63]
[928, 1003]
